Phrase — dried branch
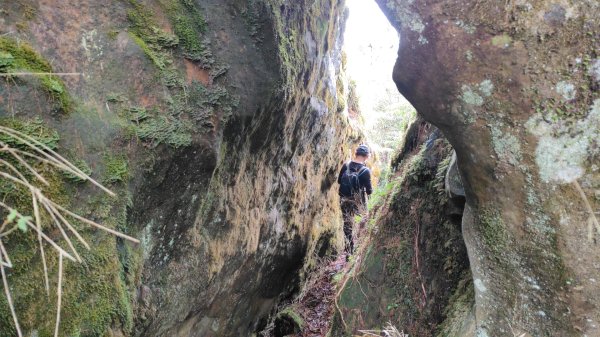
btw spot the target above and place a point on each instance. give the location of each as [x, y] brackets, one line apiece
[389, 331]
[592, 220]
[34, 227]
[38, 222]
[39, 74]
[9, 300]
[59, 294]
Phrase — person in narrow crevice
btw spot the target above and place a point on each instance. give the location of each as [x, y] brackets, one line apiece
[355, 185]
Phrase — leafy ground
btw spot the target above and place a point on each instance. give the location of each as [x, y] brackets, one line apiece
[317, 305]
[311, 313]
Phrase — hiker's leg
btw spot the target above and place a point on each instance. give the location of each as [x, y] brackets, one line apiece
[354, 211]
[349, 243]
[348, 215]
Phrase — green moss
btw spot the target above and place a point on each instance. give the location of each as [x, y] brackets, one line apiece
[17, 195]
[290, 56]
[188, 26]
[380, 193]
[136, 114]
[493, 231]
[6, 59]
[502, 41]
[439, 182]
[156, 58]
[83, 166]
[417, 166]
[116, 169]
[208, 103]
[174, 124]
[144, 25]
[112, 34]
[94, 298]
[35, 128]
[21, 57]
[104, 288]
[189, 31]
[460, 306]
[166, 130]
[154, 127]
[146, 33]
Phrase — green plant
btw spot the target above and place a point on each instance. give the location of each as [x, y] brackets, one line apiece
[394, 116]
[116, 169]
[380, 193]
[33, 127]
[166, 130]
[81, 165]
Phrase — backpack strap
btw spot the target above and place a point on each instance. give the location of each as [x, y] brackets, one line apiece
[362, 170]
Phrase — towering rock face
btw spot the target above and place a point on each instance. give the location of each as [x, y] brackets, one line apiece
[217, 121]
[514, 86]
[268, 202]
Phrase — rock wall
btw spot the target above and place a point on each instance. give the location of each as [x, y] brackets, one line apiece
[219, 124]
[514, 86]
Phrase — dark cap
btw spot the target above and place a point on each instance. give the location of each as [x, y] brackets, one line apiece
[362, 150]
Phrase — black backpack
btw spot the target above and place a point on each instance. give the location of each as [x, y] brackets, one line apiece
[350, 183]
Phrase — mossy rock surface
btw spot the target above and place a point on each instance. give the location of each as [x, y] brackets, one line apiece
[19, 57]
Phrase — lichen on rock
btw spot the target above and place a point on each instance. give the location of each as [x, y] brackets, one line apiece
[470, 96]
[563, 151]
[566, 90]
[506, 146]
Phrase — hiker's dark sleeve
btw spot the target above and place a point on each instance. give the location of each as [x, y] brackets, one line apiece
[341, 172]
[365, 181]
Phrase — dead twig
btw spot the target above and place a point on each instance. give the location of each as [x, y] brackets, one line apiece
[39, 74]
[58, 294]
[388, 331]
[592, 220]
[10, 301]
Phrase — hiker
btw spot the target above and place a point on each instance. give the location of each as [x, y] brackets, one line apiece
[355, 185]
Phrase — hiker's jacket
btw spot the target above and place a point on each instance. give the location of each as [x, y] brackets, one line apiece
[364, 179]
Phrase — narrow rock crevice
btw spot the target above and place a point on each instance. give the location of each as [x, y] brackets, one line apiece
[221, 126]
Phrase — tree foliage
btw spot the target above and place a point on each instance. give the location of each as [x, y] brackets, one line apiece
[394, 115]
